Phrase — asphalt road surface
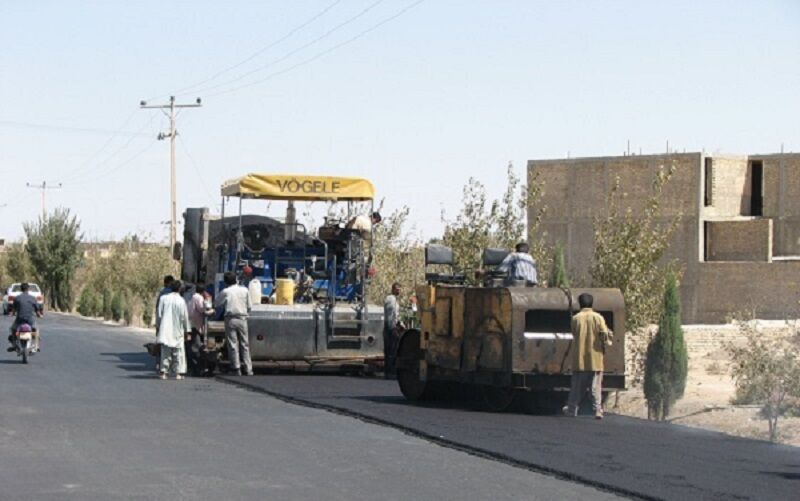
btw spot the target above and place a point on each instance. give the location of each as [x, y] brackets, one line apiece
[87, 419]
[629, 456]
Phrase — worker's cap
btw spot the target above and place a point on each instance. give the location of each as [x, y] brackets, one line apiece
[247, 270]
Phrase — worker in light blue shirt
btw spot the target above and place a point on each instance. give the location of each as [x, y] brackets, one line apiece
[520, 265]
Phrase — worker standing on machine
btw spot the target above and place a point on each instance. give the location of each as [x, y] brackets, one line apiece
[363, 224]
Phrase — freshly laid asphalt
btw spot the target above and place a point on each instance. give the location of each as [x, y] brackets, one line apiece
[626, 455]
[88, 420]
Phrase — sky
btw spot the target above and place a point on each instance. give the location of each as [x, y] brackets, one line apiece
[417, 96]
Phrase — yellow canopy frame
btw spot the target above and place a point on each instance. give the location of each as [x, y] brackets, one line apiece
[294, 187]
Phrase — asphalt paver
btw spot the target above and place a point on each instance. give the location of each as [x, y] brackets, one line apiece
[627, 455]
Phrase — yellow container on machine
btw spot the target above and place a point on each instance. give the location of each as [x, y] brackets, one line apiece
[284, 291]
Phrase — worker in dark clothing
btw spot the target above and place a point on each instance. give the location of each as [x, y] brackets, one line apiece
[26, 310]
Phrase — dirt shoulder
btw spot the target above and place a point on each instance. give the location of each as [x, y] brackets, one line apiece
[710, 389]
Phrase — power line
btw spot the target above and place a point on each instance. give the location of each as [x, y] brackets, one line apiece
[117, 167]
[63, 128]
[259, 51]
[196, 169]
[321, 54]
[105, 145]
[295, 51]
[77, 174]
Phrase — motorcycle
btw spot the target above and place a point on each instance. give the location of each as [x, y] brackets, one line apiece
[24, 342]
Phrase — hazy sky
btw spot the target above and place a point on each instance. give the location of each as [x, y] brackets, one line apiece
[445, 91]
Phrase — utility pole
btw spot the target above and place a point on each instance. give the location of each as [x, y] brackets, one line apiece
[170, 111]
[44, 189]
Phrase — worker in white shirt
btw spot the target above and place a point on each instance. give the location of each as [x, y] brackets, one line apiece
[363, 224]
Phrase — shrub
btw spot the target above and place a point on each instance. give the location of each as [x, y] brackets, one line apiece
[127, 309]
[87, 302]
[106, 304]
[147, 312]
[767, 372]
[116, 306]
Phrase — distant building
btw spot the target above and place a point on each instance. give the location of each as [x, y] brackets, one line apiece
[738, 238]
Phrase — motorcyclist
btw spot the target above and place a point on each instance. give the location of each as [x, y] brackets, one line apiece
[26, 310]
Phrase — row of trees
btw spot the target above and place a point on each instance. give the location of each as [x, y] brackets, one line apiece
[117, 284]
[120, 283]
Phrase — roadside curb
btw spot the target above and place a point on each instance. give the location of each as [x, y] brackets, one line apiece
[241, 381]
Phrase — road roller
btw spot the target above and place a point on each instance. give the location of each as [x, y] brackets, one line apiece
[502, 340]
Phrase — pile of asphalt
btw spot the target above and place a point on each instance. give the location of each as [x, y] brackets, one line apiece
[629, 456]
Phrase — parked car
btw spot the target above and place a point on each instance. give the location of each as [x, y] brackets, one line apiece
[15, 290]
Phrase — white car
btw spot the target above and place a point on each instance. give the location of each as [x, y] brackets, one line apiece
[15, 290]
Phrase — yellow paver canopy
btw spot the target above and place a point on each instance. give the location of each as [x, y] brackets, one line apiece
[293, 187]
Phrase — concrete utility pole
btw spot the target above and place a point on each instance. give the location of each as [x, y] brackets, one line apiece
[44, 189]
[172, 134]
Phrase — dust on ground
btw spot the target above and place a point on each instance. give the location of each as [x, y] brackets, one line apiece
[710, 389]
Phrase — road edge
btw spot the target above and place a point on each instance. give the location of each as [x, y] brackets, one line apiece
[440, 441]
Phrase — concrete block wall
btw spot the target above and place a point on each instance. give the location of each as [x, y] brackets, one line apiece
[575, 192]
[730, 193]
[782, 200]
[747, 240]
[770, 290]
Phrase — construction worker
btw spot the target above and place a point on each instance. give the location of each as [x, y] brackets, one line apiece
[520, 265]
[590, 335]
[363, 224]
[235, 299]
[392, 328]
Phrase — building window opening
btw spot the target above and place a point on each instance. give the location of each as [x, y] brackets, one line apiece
[709, 187]
[757, 188]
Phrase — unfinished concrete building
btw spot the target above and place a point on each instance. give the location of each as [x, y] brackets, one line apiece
[738, 236]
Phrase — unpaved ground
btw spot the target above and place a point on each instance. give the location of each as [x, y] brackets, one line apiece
[709, 388]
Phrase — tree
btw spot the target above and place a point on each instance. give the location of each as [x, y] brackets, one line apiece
[629, 248]
[16, 264]
[502, 223]
[558, 275]
[54, 252]
[766, 370]
[667, 362]
[397, 257]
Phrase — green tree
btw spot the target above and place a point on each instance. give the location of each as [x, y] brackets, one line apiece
[16, 264]
[397, 257]
[667, 361]
[766, 370]
[54, 251]
[502, 223]
[628, 252]
[558, 275]
[629, 248]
